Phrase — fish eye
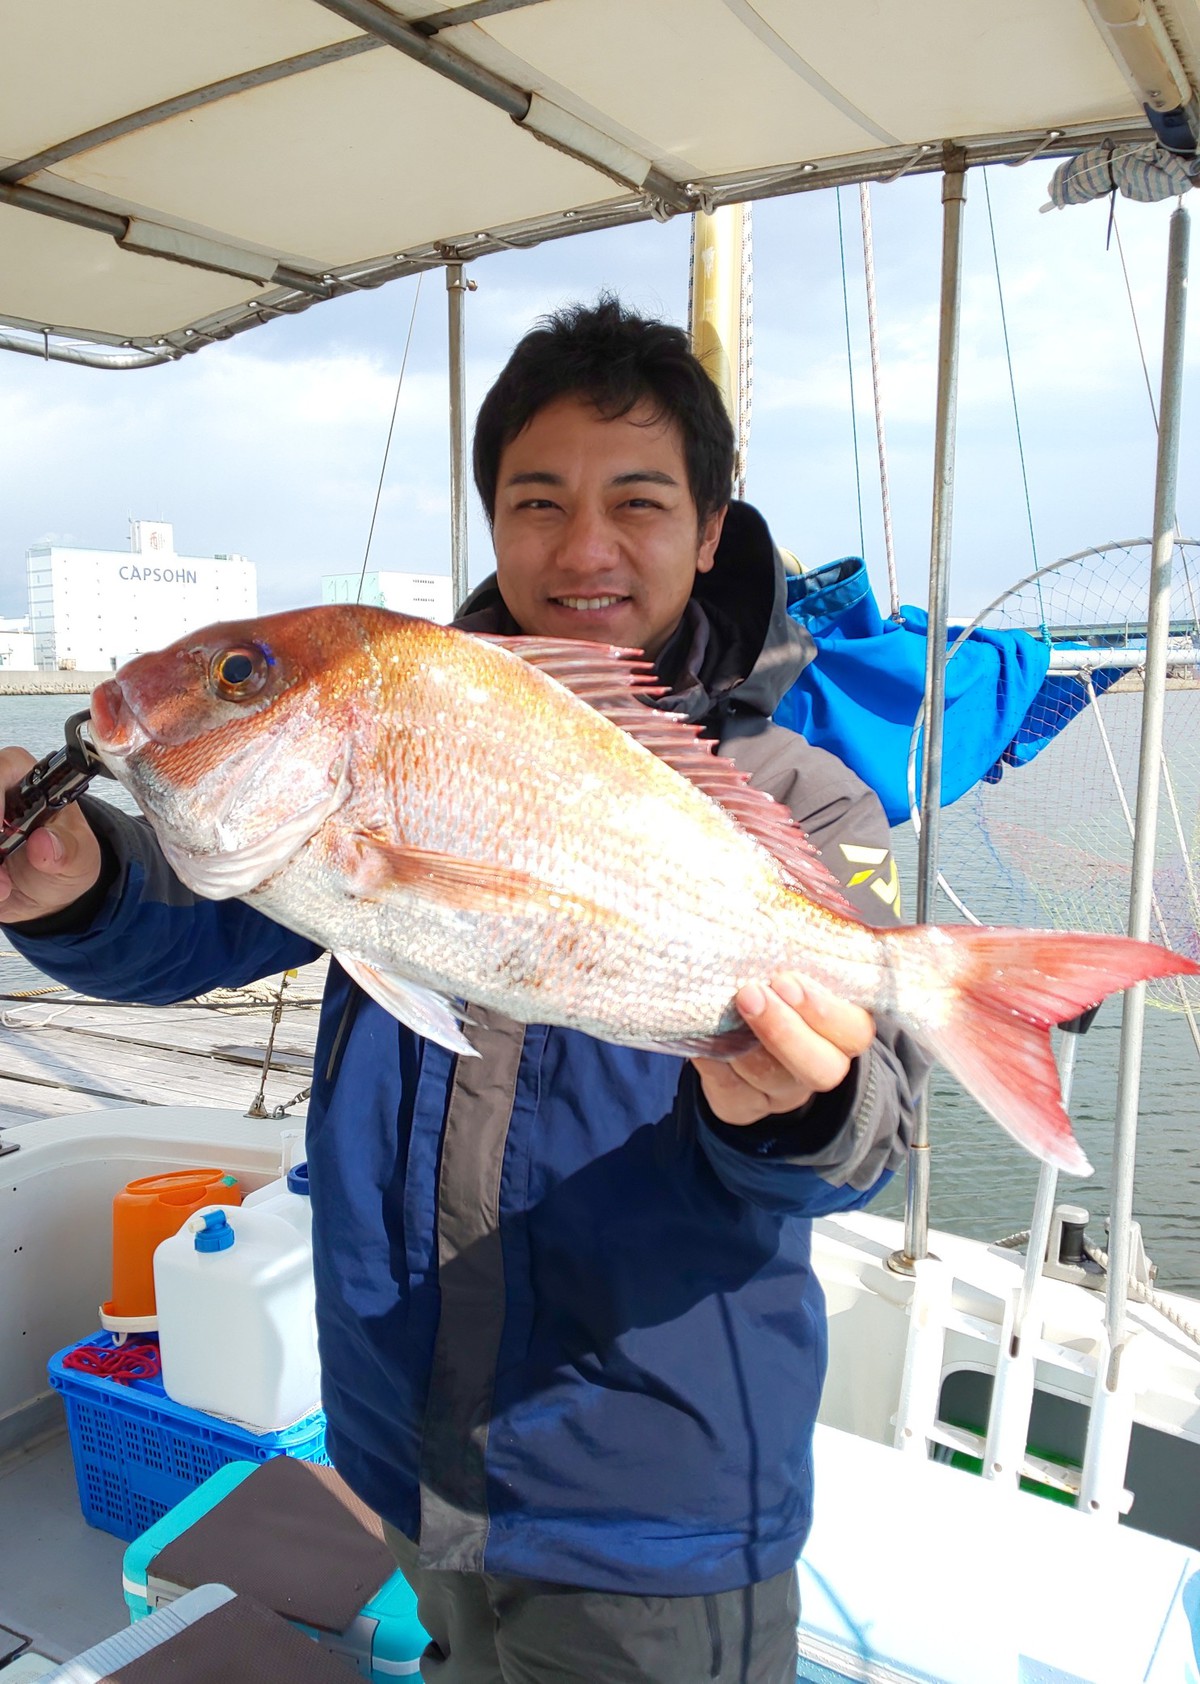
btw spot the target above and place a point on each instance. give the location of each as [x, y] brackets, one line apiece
[238, 673]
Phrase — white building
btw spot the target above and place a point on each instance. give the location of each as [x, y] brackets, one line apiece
[92, 609]
[428, 595]
[16, 646]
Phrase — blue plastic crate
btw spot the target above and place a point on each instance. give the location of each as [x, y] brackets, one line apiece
[137, 1453]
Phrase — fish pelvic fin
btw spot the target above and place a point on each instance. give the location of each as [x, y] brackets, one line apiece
[1009, 988]
[423, 1011]
[620, 683]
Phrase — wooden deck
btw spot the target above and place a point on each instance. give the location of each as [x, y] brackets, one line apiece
[61, 1053]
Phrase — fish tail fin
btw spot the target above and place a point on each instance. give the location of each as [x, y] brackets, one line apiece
[1008, 988]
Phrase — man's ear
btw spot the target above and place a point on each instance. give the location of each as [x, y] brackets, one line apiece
[710, 537]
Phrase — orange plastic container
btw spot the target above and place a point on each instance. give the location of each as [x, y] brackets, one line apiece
[145, 1213]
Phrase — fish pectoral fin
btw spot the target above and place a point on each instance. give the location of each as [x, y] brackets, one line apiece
[423, 1011]
[467, 885]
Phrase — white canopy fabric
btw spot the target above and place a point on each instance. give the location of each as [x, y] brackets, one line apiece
[174, 171]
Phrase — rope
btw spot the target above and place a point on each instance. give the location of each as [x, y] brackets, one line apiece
[1012, 386]
[1142, 1294]
[862, 541]
[12, 1020]
[122, 1364]
[885, 496]
[388, 445]
[745, 351]
[1137, 1290]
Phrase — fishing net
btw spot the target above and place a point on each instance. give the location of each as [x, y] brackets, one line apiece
[1049, 842]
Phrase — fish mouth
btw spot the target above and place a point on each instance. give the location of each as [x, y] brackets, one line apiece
[116, 730]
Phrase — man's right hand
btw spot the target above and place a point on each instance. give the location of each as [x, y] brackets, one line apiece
[60, 861]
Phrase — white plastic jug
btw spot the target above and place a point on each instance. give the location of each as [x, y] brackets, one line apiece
[287, 1197]
[236, 1317]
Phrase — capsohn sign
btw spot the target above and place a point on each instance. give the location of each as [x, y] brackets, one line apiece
[163, 575]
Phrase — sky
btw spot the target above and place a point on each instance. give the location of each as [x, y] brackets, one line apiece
[272, 445]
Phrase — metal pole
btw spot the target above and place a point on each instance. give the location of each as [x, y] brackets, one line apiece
[1020, 1337]
[457, 286]
[1158, 615]
[954, 193]
[1110, 1419]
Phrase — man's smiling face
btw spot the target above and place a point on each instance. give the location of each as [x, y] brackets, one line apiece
[595, 528]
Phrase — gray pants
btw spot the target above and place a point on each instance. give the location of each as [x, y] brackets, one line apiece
[487, 1628]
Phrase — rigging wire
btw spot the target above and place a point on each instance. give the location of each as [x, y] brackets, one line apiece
[1137, 334]
[1012, 386]
[864, 209]
[850, 367]
[1137, 331]
[388, 445]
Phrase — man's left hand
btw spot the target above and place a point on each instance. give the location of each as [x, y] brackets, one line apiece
[807, 1041]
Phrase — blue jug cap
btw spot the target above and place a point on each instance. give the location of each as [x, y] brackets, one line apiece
[297, 1179]
[216, 1234]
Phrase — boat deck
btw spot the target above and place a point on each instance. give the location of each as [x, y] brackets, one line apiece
[64, 1053]
[60, 1579]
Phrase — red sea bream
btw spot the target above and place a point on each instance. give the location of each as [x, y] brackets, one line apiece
[504, 820]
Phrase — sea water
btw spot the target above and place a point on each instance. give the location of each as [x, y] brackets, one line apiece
[982, 1183]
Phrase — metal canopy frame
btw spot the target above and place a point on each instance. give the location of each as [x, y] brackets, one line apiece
[643, 186]
[289, 299]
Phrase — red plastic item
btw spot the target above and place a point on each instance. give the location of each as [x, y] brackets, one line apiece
[122, 1364]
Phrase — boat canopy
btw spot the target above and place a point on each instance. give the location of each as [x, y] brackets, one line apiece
[175, 171]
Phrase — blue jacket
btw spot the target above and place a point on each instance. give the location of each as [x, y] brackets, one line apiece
[567, 1319]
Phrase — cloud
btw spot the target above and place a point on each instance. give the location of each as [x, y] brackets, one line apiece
[272, 444]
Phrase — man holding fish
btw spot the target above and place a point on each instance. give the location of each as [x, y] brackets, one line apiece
[572, 1346]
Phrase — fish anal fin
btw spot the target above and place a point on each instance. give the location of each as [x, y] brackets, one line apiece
[731, 1044]
[421, 1009]
[619, 683]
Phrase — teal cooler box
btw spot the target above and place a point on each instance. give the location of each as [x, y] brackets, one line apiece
[383, 1641]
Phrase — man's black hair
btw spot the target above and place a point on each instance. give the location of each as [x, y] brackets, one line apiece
[615, 360]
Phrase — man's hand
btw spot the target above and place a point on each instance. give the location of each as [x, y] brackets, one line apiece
[807, 1040]
[60, 861]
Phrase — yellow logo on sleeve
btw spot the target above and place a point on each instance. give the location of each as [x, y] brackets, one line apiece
[879, 870]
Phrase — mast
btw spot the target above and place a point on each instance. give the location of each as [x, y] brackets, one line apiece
[457, 287]
[719, 303]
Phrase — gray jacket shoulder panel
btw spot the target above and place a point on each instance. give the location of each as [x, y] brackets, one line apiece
[838, 813]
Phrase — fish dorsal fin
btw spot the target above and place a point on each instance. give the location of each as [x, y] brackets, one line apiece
[618, 683]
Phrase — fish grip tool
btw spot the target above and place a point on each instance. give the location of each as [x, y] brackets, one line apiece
[58, 779]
